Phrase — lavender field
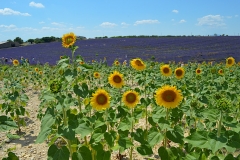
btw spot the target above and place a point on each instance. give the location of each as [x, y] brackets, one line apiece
[163, 49]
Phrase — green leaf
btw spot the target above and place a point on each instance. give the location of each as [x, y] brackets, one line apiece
[164, 154]
[11, 156]
[83, 129]
[83, 154]
[46, 124]
[199, 139]
[139, 136]
[81, 91]
[176, 135]
[154, 137]
[229, 157]
[97, 136]
[124, 125]
[110, 138]
[66, 132]
[125, 143]
[55, 154]
[6, 124]
[13, 136]
[145, 150]
[103, 155]
[217, 143]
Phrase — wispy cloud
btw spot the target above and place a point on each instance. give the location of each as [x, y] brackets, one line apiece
[149, 21]
[175, 11]
[57, 24]
[37, 5]
[182, 21]
[124, 25]
[41, 22]
[108, 25]
[9, 11]
[8, 26]
[236, 15]
[211, 20]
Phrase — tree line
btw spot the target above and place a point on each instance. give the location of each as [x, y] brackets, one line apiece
[36, 40]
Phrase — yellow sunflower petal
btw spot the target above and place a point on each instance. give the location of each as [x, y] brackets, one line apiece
[116, 79]
[179, 72]
[168, 96]
[100, 100]
[138, 64]
[130, 98]
[166, 70]
[68, 39]
[230, 61]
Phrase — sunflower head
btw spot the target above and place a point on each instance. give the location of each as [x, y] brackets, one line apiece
[15, 62]
[230, 61]
[40, 72]
[81, 62]
[198, 71]
[166, 70]
[168, 96]
[130, 98]
[116, 63]
[220, 71]
[116, 79]
[61, 57]
[138, 64]
[68, 39]
[55, 86]
[179, 72]
[96, 75]
[100, 100]
[36, 69]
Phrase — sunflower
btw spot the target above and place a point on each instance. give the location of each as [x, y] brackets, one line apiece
[61, 57]
[116, 79]
[68, 39]
[100, 100]
[179, 72]
[81, 62]
[168, 96]
[96, 75]
[138, 64]
[15, 62]
[36, 69]
[198, 71]
[116, 63]
[230, 61]
[166, 70]
[40, 72]
[220, 71]
[130, 98]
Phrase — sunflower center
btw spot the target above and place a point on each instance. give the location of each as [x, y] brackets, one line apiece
[198, 71]
[101, 99]
[130, 98]
[69, 40]
[169, 96]
[166, 70]
[138, 63]
[229, 61]
[117, 79]
[179, 72]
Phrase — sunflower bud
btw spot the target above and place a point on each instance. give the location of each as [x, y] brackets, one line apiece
[55, 86]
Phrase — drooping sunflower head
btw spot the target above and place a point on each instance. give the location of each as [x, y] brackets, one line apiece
[15, 62]
[220, 71]
[179, 72]
[198, 71]
[61, 57]
[166, 70]
[138, 64]
[116, 79]
[168, 96]
[96, 75]
[68, 39]
[36, 69]
[130, 98]
[230, 61]
[100, 100]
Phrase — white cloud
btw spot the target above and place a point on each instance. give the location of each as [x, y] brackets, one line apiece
[37, 5]
[211, 20]
[9, 11]
[236, 15]
[57, 24]
[8, 27]
[124, 25]
[149, 21]
[41, 22]
[182, 21]
[108, 25]
[175, 11]
[172, 19]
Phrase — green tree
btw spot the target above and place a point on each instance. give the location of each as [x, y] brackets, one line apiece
[18, 39]
[31, 40]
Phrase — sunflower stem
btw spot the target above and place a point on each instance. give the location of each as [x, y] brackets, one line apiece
[219, 125]
[165, 134]
[131, 149]
[79, 104]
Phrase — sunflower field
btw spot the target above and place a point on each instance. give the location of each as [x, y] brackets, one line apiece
[147, 109]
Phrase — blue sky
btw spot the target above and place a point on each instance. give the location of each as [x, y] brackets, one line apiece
[93, 18]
